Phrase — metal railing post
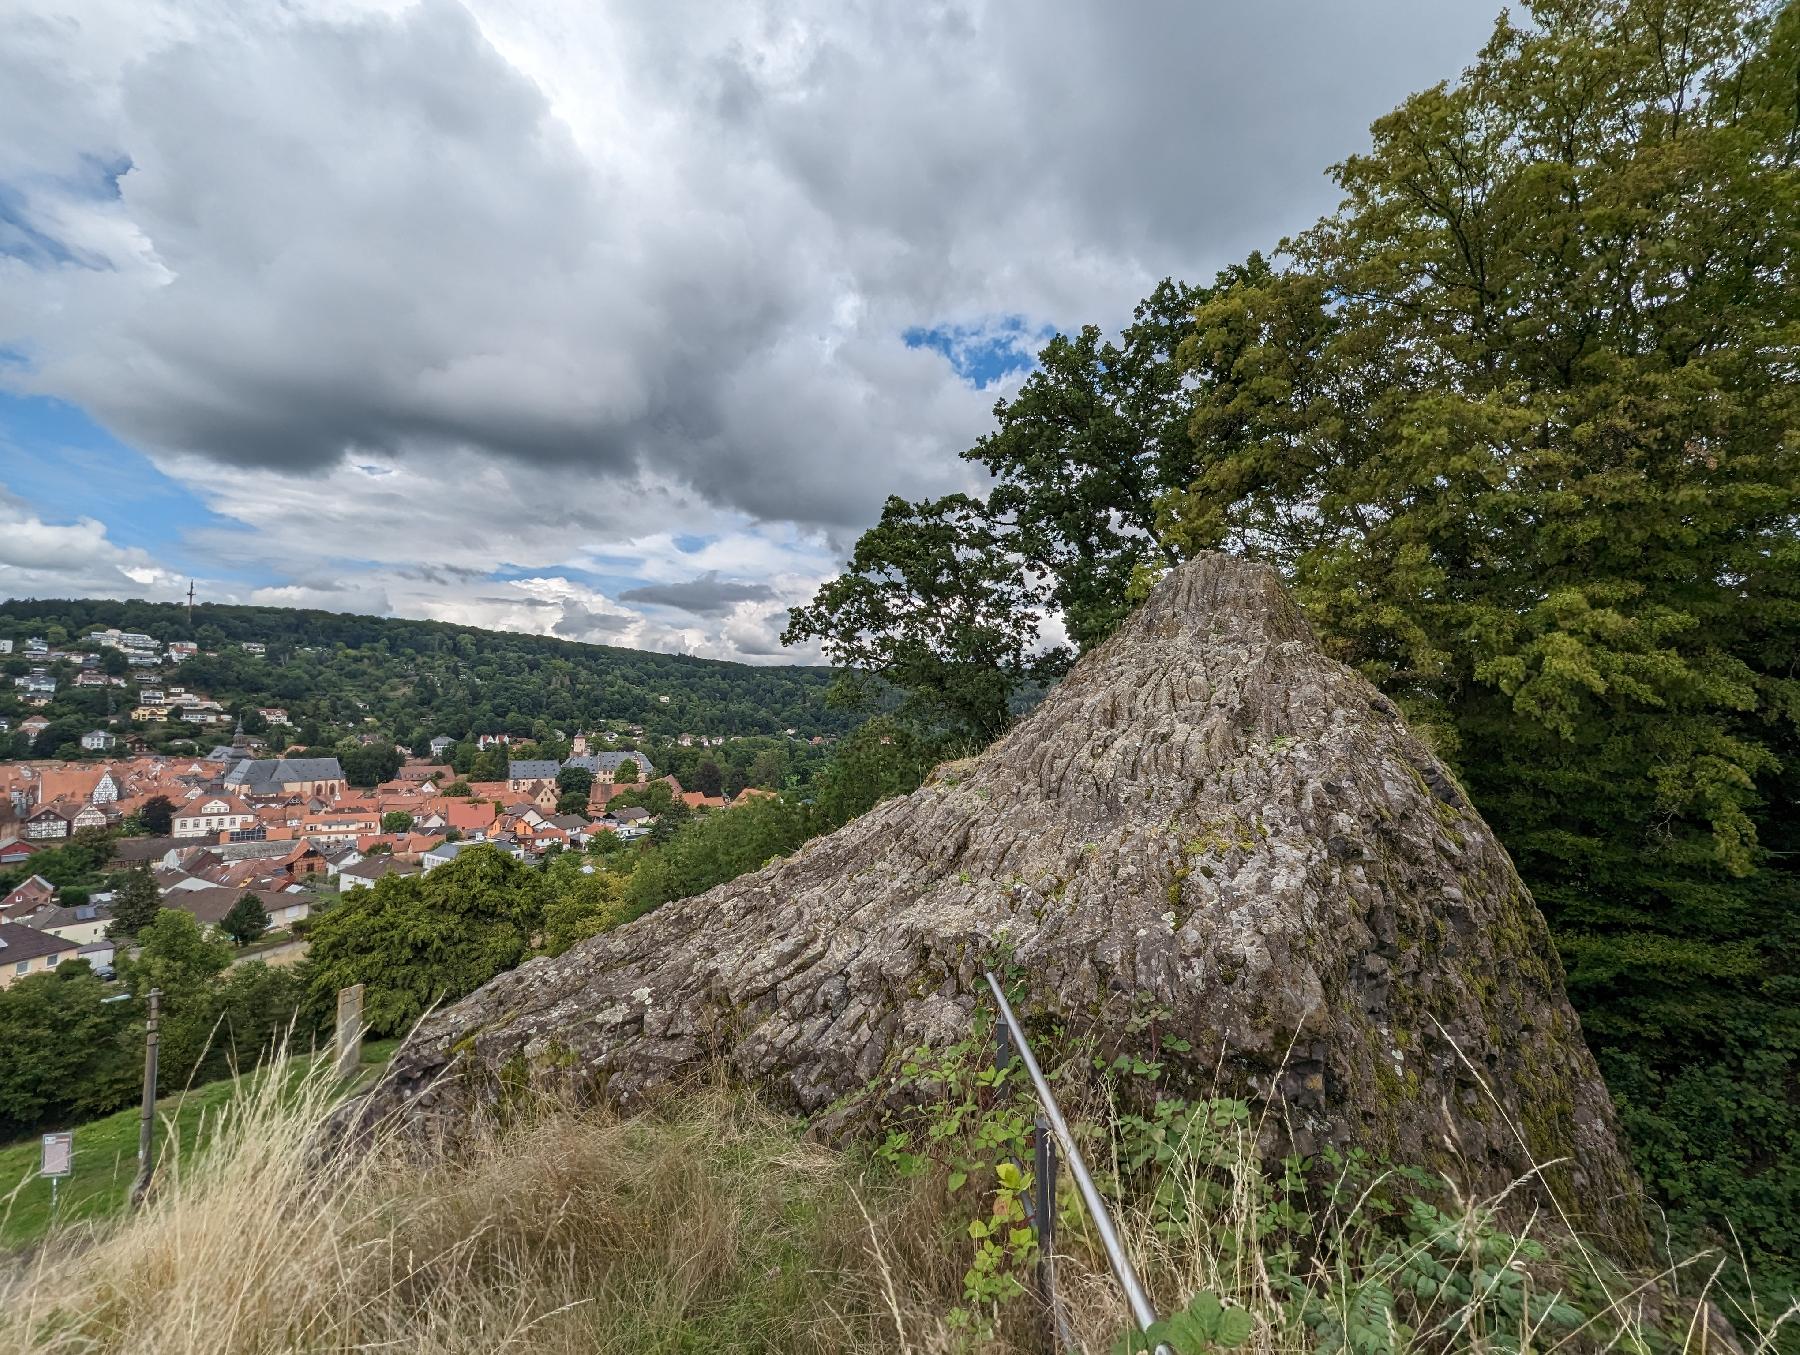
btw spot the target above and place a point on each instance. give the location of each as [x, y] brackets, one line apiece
[1143, 1312]
[1044, 1177]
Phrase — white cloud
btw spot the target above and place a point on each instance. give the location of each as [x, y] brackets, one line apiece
[412, 291]
[45, 559]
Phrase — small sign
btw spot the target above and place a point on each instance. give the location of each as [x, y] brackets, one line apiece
[59, 1155]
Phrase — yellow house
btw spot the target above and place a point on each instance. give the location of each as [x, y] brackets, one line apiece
[25, 951]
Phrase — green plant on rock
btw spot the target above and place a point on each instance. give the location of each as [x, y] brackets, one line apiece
[1205, 1324]
[971, 1127]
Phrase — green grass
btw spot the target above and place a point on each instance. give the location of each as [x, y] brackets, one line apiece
[106, 1156]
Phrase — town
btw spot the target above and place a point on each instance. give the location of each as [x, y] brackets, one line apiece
[255, 816]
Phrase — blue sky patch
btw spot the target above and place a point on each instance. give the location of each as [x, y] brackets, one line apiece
[62, 463]
[985, 352]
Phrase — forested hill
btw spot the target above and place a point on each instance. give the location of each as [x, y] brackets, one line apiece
[334, 669]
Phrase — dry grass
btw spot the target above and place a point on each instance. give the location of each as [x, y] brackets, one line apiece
[709, 1225]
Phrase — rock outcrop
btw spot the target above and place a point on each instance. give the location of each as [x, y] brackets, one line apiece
[1208, 816]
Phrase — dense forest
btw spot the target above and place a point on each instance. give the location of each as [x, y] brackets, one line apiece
[1520, 425]
[332, 672]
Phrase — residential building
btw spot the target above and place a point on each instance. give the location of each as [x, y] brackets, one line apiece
[99, 740]
[445, 852]
[83, 924]
[440, 745]
[92, 816]
[522, 772]
[6, 646]
[25, 951]
[46, 824]
[274, 715]
[255, 647]
[327, 828]
[16, 853]
[210, 815]
[365, 873]
[33, 894]
[209, 906]
[182, 649]
[605, 766]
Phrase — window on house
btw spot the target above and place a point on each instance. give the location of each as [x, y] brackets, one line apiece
[22, 966]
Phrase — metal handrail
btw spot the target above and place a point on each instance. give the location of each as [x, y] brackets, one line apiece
[1143, 1312]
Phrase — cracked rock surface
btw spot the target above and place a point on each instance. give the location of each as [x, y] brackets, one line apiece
[1208, 818]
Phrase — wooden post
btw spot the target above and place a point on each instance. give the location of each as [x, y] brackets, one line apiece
[349, 1030]
[140, 1187]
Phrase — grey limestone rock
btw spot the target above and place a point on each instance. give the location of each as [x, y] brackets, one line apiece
[1208, 815]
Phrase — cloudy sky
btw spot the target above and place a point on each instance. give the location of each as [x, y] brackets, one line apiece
[610, 320]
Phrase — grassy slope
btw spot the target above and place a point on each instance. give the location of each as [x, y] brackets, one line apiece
[708, 1224]
[106, 1157]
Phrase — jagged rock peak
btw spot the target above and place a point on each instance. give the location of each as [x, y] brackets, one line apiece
[1208, 816]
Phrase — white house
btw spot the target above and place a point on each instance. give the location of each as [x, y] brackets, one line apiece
[99, 740]
[210, 815]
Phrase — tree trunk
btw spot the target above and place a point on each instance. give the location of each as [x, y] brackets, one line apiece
[1208, 817]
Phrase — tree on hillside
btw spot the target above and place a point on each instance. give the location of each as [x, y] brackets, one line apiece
[136, 904]
[175, 956]
[65, 1053]
[1085, 455]
[156, 815]
[573, 785]
[1519, 421]
[370, 764]
[417, 940]
[934, 603]
[627, 771]
[708, 779]
[579, 905]
[246, 921]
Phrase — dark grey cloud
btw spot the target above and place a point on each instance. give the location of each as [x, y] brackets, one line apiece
[707, 595]
[683, 241]
[583, 623]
